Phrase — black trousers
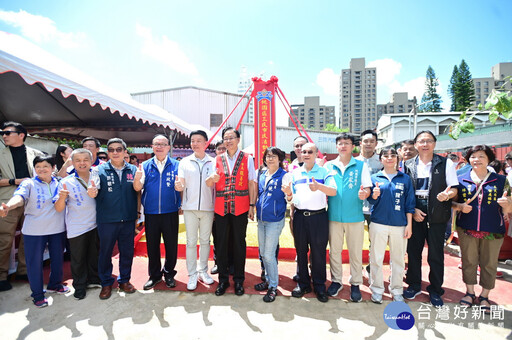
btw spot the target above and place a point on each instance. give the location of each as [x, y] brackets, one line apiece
[311, 232]
[433, 233]
[84, 259]
[164, 226]
[235, 227]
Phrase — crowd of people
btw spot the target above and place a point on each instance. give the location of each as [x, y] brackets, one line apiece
[87, 201]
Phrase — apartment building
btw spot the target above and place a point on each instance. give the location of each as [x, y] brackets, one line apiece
[358, 97]
[484, 86]
[312, 115]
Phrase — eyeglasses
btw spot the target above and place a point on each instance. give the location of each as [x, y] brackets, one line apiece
[389, 156]
[229, 139]
[271, 156]
[307, 152]
[118, 150]
[158, 145]
[8, 133]
[344, 144]
[103, 158]
[426, 141]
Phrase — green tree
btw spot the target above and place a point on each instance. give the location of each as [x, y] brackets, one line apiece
[498, 104]
[461, 88]
[465, 89]
[452, 86]
[431, 100]
[334, 128]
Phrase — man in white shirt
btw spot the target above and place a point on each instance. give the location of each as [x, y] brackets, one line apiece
[198, 202]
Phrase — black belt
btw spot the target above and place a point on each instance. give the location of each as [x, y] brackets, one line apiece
[422, 197]
[311, 212]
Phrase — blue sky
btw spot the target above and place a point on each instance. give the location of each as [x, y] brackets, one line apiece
[137, 46]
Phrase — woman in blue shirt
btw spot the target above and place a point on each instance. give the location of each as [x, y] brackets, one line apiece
[391, 221]
[270, 211]
[42, 226]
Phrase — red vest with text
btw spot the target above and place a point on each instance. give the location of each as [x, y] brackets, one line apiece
[232, 190]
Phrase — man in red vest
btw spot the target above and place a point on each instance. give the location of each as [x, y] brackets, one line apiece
[235, 186]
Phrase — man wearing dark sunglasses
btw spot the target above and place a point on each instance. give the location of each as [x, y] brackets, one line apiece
[116, 212]
[311, 184]
[16, 161]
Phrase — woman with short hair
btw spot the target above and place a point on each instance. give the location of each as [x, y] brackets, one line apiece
[482, 202]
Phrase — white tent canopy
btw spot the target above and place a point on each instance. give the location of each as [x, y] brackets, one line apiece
[51, 97]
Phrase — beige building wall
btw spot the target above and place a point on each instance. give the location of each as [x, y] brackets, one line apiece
[484, 86]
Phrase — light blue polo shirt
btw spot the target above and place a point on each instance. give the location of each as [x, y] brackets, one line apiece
[303, 197]
[80, 208]
[41, 218]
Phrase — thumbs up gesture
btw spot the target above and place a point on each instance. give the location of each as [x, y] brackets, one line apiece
[505, 202]
[376, 191]
[139, 173]
[92, 190]
[286, 189]
[64, 191]
[215, 176]
[363, 193]
[444, 195]
[178, 184]
[4, 210]
[313, 185]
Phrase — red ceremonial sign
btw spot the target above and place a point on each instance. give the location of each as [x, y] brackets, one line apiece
[264, 116]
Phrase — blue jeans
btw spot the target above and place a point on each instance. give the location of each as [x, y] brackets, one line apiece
[34, 250]
[268, 239]
[109, 233]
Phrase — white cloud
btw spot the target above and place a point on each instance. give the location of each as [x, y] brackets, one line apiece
[329, 81]
[42, 29]
[167, 51]
[388, 71]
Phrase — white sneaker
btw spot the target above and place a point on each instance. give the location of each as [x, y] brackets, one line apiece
[192, 282]
[398, 298]
[376, 298]
[205, 278]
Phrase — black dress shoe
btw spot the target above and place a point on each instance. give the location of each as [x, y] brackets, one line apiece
[299, 292]
[151, 283]
[5, 285]
[322, 296]
[221, 288]
[21, 277]
[239, 289]
[170, 282]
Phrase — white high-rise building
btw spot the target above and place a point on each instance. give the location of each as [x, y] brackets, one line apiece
[358, 97]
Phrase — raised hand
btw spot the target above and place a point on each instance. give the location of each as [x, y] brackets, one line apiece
[92, 190]
[215, 177]
[178, 185]
[139, 173]
[444, 195]
[504, 201]
[376, 191]
[362, 194]
[314, 185]
[286, 188]
[64, 191]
